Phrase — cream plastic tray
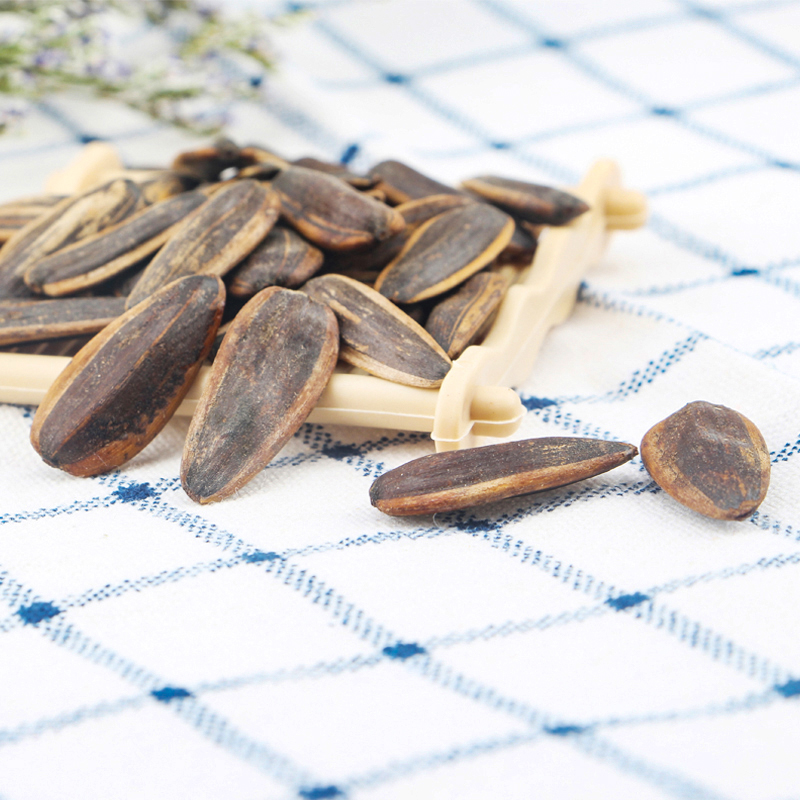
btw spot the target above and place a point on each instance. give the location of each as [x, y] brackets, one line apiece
[475, 399]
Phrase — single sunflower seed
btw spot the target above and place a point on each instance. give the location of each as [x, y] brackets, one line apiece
[463, 478]
[445, 251]
[331, 214]
[97, 258]
[268, 374]
[213, 238]
[459, 319]
[528, 201]
[710, 458]
[121, 389]
[402, 183]
[377, 336]
[415, 212]
[34, 320]
[338, 170]
[284, 258]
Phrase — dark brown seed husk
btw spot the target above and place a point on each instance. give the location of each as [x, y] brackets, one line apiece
[33, 320]
[331, 214]
[120, 390]
[710, 458]
[463, 478]
[207, 163]
[49, 347]
[270, 370]
[68, 221]
[377, 336]
[259, 172]
[284, 258]
[339, 170]
[521, 249]
[415, 212]
[402, 183]
[163, 184]
[18, 213]
[373, 259]
[97, 258]
[458, 320]
[253, 155]
[528, 201]
[445, 251]
[214, 238]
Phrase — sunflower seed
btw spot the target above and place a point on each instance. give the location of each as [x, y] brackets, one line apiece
[520, 249]
[403, 183]
[283, 259]
[97, 258]
[445, 251]
[18, 213]
[415, 212]
[462, 478]
[457, 321]
[213, 238]
[67, 222]
[710, 458]
[32, 320]
[338, 170]
[163, 184]
[268, 374]
[331, 214]
[207, 163]
[529, 201]
[120, 390]
[377, 336]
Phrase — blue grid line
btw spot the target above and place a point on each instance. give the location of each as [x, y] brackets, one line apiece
[663, 779]
[458, 684]
[748, 37]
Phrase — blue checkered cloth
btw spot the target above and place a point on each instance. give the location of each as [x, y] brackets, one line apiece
[594, 642]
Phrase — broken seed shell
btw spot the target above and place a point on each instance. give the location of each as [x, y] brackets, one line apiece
[283, 259]
[377, 336]
[445, 251]
[268, 374]
[213, 238]
[529, 201]
[121, 389]
[456, 321]
[710, 458]
[331, 214]
[33, 320]
[458, 479]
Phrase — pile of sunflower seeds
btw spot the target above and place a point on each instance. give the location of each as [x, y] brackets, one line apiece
[391, 271]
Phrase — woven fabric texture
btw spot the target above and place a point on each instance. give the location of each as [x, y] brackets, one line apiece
[594, 642]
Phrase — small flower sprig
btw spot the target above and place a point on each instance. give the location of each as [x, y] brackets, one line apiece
[184, 62]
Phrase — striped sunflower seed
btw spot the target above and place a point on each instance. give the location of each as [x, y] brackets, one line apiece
[402, 183]
[331, 214]
[377, 336]
[528, 201]
[338, 170]
[68, 221]
[710, 458]
[458, 320]
[283, 259]
[213, 238]
[97, 258]
[463, 478]
[270, 370]
[415, 212]
[445, 251]
[18, 213]
[121, 389]
[34, 320]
